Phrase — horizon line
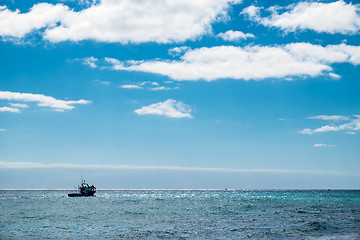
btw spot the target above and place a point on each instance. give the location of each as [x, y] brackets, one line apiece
[34, 165]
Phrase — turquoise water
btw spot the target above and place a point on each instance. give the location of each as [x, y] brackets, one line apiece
[180, 214]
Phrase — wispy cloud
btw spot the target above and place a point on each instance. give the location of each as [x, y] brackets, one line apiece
[169, 108]
[99, 82]
[329, 117]
[19, 105]
[323, 145]
[152, 86]
[40, 99]
[9, 109]
[235, 35]
[246, 63]
[352, 125]
[32, 165]
[130, 86]
[3, 130]
[89, 61]
[333, 17]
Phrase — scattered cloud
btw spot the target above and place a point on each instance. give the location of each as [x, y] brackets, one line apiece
[351, 133]
[34, 165]
[18, 105]
[235, 35]
[3, 130]
[351, 126]
[153, 86]
[176, 51]
[123, 21]
[90, 61]
[99, 82]
[169, 108]
[130, 86]
[41, 100]
[9, 109]
[329, 117]
[334, 76]
[323, 145]
[160, 88]
[333, 17]
[247, 63]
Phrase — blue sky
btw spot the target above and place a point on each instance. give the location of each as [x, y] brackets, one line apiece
[179, 94]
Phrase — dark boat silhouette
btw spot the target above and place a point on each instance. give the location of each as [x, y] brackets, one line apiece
[84, 190]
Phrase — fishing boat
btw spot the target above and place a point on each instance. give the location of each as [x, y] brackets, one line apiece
[84, 190]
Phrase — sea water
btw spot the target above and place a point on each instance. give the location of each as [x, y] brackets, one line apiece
[180, 214]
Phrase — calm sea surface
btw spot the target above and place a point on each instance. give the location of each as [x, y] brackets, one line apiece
[180, 214]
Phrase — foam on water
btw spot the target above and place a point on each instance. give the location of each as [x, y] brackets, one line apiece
[181, 214]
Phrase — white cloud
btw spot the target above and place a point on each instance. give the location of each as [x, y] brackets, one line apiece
[235, 35]
[130, 86]
[152, 86]
[137, 21]
[351, 133]
[90, 61]
[17, 25]
[159, 88]
[41, 100]
[9, 109]
[306, 131]
[105, 83]
[19, 105]
[169, 108]
[124, 21]
[334, 76]
[3, 130]
[250, 62]
[323, 145]
[353, 125]
[329, 117]
[333, 17]
[34, 165]
[178, 50]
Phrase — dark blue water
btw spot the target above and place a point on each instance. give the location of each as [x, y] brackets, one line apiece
[180, 214]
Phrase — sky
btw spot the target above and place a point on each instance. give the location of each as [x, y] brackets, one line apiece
[164, 94]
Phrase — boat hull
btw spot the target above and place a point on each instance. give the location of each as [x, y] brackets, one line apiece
[81, 194]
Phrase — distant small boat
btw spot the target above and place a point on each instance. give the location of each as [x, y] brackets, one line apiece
[84, 190]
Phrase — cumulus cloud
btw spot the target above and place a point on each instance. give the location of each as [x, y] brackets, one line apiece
[333, 17]
[9, 109]
[169, 108]
[17, 25]
[41, 100]
[323, 145]
[250, 62]
[124, 21]
[235, 35]
[352, 125]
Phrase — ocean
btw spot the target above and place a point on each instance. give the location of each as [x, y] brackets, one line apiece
[181, 214]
